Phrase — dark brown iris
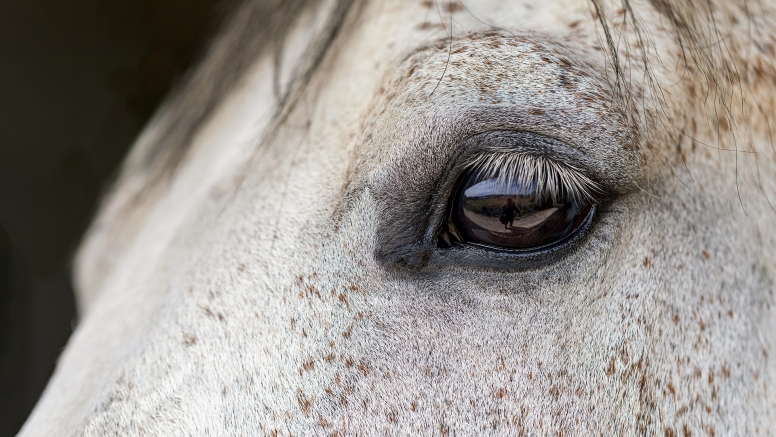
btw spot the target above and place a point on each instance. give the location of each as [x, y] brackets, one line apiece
[489, 211]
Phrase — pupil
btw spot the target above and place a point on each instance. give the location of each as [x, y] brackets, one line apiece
[513, 215]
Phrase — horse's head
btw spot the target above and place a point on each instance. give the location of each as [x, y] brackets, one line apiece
[442, 218]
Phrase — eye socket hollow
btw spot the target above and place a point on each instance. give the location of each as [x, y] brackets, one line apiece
[511, 214]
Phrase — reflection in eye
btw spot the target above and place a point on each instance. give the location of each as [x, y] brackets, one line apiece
[510, 204]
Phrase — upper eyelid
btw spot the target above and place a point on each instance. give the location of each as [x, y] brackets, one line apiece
[552, 179]
[606, 135]
[525, 82]
[500, 149]
[602, 180]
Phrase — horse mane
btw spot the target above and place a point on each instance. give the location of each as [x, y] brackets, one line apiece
[251, 29]
[257, 27]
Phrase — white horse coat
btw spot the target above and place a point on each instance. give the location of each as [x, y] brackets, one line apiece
[286, 279]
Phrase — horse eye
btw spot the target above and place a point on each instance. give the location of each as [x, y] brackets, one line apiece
[511, 215]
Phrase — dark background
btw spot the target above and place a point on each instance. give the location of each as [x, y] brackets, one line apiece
[78, 80]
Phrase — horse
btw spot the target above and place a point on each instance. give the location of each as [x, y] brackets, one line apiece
[296, 245]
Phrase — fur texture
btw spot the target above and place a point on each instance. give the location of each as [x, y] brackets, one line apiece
[286, 280]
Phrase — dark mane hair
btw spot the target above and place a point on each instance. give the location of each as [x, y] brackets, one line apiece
[256, 27]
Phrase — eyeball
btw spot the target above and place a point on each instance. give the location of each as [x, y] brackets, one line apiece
[512, 214]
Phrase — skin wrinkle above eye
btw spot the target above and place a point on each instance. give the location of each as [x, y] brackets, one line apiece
[577, 107]
[421, 147]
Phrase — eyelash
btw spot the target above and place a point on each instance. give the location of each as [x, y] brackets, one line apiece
[553, 180]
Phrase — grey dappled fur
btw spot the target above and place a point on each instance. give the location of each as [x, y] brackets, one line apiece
[314, 300]
[258, 26]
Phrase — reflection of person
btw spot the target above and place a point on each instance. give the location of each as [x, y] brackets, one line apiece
[508, 212]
